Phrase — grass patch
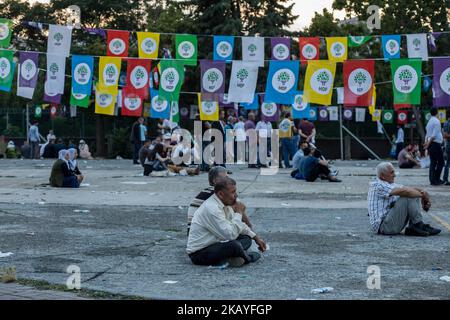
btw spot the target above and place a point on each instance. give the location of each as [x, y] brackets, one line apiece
[8, 275]
[84, 293]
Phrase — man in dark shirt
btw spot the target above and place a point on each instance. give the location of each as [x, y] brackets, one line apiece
[50, 151]
[311, 168]
[307, 131]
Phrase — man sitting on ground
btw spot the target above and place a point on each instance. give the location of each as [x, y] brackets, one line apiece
[406, 158]
[218, 234]
[144, 154]
[391, 206]
[311, 167]
[213, 174]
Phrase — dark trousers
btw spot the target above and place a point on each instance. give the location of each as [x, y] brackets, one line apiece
[34, 145]
[217, 253]
[407, 165]
[137, 147]
[147, 169]
[447, 162]
[318, 170]
[398, 148]
[436, 162]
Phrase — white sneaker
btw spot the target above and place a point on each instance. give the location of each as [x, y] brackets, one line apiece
[172, 174]
[183, 173]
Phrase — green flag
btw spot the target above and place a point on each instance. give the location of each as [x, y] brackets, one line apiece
[38, 111]
[426, 115]
[5, 32]
[174, 112]
[356, 41]
[7, 67]
[172, 77]
[406, 80]
[186, 48]
[79, 100]
[388, 116]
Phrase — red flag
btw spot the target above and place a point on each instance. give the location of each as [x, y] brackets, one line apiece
[117, 43]
[131, 102]
[402, 117]
[53, 110]
[138, 73]
[401, 106]
[358, 83]
[309, 49]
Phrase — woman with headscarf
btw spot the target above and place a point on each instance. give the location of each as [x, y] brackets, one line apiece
[84, 150]
[61, 176]
[73, 164]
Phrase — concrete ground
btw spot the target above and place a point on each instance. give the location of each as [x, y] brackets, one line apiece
[127, 234]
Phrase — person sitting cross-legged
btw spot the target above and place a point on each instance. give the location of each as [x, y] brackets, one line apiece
[392, 206]
[217, 233]
[312, 167]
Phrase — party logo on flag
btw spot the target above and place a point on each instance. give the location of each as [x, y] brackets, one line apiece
[82, 73]
[105, 100]
[242, 74]
[313, 114]
[132, 102]
[4, 31]
[283, 80]
[28, 69]
[159, 105]
[224, 49]
[338, 50]
[280, 51]
[209, 107]
[444, 81]
[213, 79]
[149, 46]
[321, 81]
[405, 79]
[392, 47]
[5, 67]
[309, 51]
[269, 109]
[348, 114]
[139, 77]
[402, 117]
[53, 71]
[388, 116]
[110, 74]
[186, 49]
[360, 81]
[170, 79]
[300, 104]
[117, 46]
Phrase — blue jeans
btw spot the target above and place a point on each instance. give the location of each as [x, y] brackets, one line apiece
[286, 145]
[447, 162]
[137, 147]
[295, 141]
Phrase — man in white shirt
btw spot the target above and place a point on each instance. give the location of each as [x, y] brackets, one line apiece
[400, 141]
[391, 206]
[217, 234]
[433, 142]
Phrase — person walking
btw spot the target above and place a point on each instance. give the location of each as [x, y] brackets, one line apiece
[34, 138]
[433, 142]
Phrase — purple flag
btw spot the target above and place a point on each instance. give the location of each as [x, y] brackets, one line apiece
[432, 40]
[28, 71]
[223, 101]
[348, 114]
[323, 114]
[52, 98]
[212, 79]
[270, 111]
[95, 31]
[281, 48]
[441, 82]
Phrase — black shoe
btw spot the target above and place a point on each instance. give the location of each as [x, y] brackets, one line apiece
[135, 162]
[432, 231]
[415, 231]
[254, 256]
[252, 166]
[439, 183]
[447, 183]
[334, 180]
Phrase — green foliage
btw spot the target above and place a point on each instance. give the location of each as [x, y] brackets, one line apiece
[118, 143]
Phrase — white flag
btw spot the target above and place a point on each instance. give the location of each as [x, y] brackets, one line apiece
[340, 95]
[59, 40]
[360, 115]
[253, 50]
[333, 113]
[417, 46]
[243, 82]
[56, 73]
[73, 111]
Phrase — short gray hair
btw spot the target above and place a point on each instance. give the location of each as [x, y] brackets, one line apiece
[214, 172]
[222, 183]
[383, 167]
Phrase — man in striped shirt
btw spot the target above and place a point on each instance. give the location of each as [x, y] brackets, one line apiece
[391, 206]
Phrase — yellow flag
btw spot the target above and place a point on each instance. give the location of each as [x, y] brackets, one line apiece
[148, 43]
[209, 110]
[337, 48]
[319, 81]
[105, 102]
[376, 115]
[109, 73]
[442, 115]
[374, 101]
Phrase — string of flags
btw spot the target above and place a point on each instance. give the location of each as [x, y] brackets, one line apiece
[281, 86]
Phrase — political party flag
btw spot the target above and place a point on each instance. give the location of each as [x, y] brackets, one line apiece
[7, 68]
[358, 82]
[209, 110]
[53, 110]
[160, 106]
[406, 80]
[374, 100]
[138, 71]
[37, 111]
[323, 114]
[132, 102]
[376, 115]
[348, 114]
[426, 115]
[360, 115]
[212, 80]
[402, 117]
[82, 71]
[281, 48]
[27, 74]
[79, 99]
[117, 43]
[270, 111]
[312, 113]
[432, 40]
[402, 106]
[186, 48]
[174, 112]
[253, 50]
[319, 81]
[59, 40]
[442, 115]
[223, 48]
[417, 46]
[146, 109]
[426, 83]
[148, 45]
[309, 48]
[391, 46]
[333, 113]
[388, 116]
[300, 107]
[254, 105]
[171, 80]
[337, 48]
[5, 32]
[104, 102]
[243, 81]
[282, 81]
[109, 72]
[356, 41]
[96, 32]
[51, 95]
[224, 101]
[56, 73]
[441, 82]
